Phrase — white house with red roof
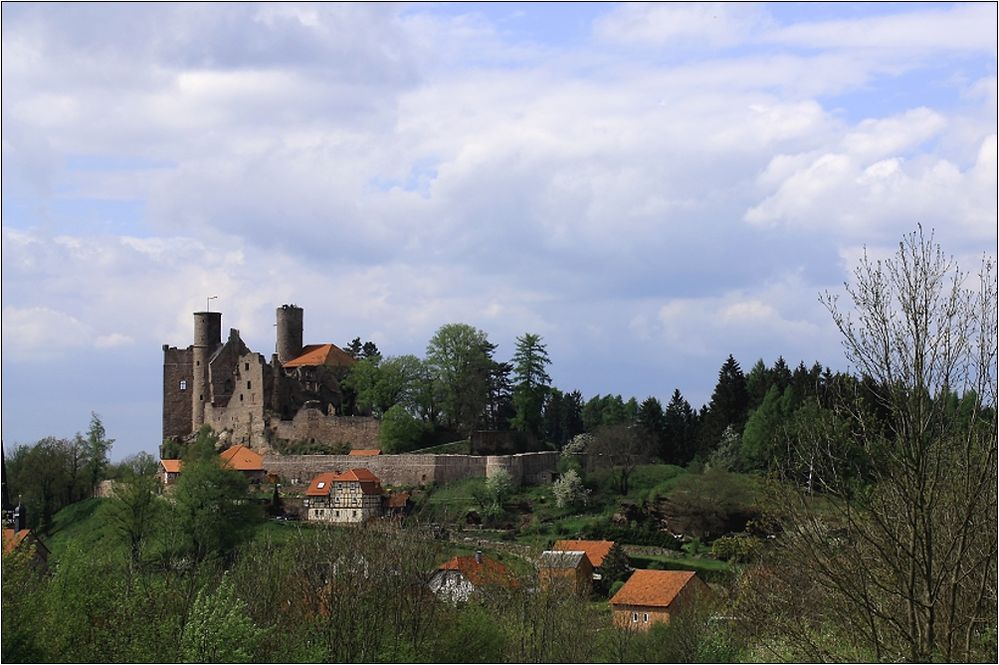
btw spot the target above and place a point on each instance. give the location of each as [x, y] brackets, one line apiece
[347, 498]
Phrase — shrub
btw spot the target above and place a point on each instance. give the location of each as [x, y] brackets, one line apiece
[740, 548]
[400, 432]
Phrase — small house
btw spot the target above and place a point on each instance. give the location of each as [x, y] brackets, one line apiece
[349, 497]
[565, 569]
[604, 555]
[169, 471]
[461, 576]
[245, 460]
[651, 596]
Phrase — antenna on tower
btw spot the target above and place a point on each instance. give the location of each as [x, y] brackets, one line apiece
[208, 303]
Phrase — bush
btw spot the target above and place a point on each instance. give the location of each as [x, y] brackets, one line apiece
[740, 548]
[614, 588]
[569, 490]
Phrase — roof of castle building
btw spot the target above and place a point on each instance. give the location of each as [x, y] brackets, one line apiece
[652, 588]
[241, 458]
[365, 452]
[596, 550]
[171, 465]
[316, 355]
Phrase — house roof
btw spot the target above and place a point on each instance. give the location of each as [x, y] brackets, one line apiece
[365, 452]
[562, 559]
[171, 465]
[652, 588]
[480, 573]
[596, 550]
[316, 355]
[13, 539]
[241, 458]
[320, 485]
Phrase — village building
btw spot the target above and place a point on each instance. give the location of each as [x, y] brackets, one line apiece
[350, 497]
[238, 457]
[565, 569]
[20, 538]
[246, 461]
[169, 471]
[653, 596]
[457, 579]
[604, 555]
[365, 452]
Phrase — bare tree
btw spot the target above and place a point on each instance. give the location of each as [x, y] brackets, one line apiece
[905, 556]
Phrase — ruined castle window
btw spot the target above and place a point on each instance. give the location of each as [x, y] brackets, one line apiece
[247, 367]
[247, 385]
[183, 384]
[240, 398]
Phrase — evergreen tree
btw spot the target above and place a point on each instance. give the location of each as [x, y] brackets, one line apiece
[679, 423]
[757, 383]
[531, 383]
[652, 419]
[728, 406]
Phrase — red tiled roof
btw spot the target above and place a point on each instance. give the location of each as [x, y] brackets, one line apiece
[11, 539]
[365, 452]
[315, 355]
[241, 458]
[488, 571]
[360, 475]
[320, 485]
[652, 588]
[596, 550]
[171, 465]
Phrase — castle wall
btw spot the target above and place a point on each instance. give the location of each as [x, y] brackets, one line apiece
[244, 413]
[224, 369]
[313, 425]
[530, 468]
[177, 368]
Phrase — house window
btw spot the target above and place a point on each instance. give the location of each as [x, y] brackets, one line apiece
[646, 617]
[183, 384]
[634, 617]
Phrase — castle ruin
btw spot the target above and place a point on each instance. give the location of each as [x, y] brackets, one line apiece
[294, 397]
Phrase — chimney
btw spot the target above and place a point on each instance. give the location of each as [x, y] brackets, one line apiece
[20, 517]
[478, 556]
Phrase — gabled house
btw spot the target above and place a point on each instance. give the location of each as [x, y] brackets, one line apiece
[460, 577]
[21, 538]
[651, 596]
[170, 470]
[245, 460]
[605, 556]
[353, 496]
[564, 569]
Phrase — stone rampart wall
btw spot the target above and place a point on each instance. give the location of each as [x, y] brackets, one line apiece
[312, 425]
[525, 468]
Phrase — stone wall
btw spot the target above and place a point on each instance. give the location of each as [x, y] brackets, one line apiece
[244, 413]
[177, 395]
[525, 468]
[312, 425]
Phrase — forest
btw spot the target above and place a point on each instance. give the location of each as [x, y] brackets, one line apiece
[855, 512]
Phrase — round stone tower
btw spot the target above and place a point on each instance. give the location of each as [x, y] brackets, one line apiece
[289, 332]
[207, 338]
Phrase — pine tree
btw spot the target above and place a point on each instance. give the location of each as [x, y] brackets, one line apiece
[531, 383]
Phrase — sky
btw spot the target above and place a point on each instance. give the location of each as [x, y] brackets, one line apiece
[648, 187]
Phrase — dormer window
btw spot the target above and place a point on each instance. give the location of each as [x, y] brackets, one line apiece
[320, 485]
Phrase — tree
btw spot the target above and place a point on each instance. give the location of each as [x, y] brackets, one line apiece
[96, 448]
[218, 629]
[531, 383]
[400, 432]
[728, 405]
[679, 423]
[132, 512]
[651, 418]
[760, 439]
[458, 358]
[907, 557]
[569, 490]
[621, 449]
